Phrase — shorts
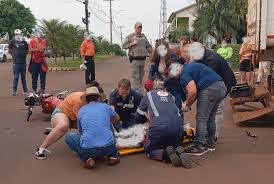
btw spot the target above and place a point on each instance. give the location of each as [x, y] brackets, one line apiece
[72, 124]
[246, 66]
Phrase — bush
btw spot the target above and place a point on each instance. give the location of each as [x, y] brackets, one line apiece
[235, 60]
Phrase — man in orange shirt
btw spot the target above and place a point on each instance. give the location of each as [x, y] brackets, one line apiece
[87, 53]
[63, 118]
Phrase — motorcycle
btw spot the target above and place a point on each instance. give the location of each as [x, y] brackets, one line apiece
[47, 102]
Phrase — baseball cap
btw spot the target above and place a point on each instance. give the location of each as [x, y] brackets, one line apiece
[138, 24]
[17, 31]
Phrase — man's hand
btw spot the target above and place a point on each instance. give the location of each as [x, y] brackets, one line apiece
[185, 108]
[135, 42]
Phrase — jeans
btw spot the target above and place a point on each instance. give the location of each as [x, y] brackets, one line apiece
[36, 70]
[219, 117]
[73, 142]
[90, 72]
[207, 105]
[19, 69]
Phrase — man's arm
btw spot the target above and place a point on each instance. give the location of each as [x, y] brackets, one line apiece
[191, 93]
[79, 123]
[127, 44]
[148, 46]
[82, 51]
[140, 115]
[10, 47]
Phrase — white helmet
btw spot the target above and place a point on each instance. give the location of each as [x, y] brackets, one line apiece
[17, 31]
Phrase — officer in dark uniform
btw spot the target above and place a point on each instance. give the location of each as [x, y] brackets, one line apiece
[125, 102]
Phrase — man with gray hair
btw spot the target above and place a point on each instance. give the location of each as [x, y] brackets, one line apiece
[218, 64]
[139, 49]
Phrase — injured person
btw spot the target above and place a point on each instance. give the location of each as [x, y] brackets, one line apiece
[165, 130]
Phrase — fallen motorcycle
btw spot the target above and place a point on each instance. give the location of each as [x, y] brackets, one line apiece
[47, 102]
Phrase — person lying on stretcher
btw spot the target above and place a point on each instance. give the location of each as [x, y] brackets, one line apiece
[164, 135]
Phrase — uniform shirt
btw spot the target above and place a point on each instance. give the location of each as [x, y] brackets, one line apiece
[87, 48]
[19, 51]
[202, 75]
[71, 105]
[94, 125]
[125, 108]
[37, 56]
[161, 109]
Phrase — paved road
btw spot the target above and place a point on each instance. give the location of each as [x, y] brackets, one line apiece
[238, 158]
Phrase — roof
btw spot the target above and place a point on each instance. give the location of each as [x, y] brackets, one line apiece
[173, 14]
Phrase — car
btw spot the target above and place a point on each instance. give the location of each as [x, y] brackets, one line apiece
[4, 54]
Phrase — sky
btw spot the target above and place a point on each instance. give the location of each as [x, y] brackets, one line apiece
[125, 13]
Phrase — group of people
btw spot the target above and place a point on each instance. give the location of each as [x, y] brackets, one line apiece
[19, 49]
[198, 74]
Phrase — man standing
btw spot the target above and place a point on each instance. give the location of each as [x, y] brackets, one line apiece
[125, 102]
[38, 62]
[87, 53]
[18, 48]
[139, 49]
[207, 87]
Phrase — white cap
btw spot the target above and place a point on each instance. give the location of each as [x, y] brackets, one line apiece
[17, 31]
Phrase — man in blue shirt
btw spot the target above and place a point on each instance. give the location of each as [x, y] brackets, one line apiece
[165, 129]
[95, 138]
[125, 102]
[205, 85]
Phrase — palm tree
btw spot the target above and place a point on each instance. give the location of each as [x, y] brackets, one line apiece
[53, 31]
[218, 17]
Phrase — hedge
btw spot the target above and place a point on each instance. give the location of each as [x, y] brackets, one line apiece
[235, 60]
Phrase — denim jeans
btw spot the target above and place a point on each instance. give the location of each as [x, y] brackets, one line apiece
[73, 141]
[36, 70]
[90, 72]
[219, 117]
[19, 69]
[207, 104]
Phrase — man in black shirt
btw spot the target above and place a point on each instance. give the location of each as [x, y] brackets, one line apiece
[18, 48]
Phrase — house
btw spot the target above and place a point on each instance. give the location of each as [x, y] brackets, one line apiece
[180, 24]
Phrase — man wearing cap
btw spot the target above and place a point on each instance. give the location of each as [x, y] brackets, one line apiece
[64, 117]
[37, 47]
[139, 49]
[87, 51]
[125, 102]
[18, 48]
[95, 137]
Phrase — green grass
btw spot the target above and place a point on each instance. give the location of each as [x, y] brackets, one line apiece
[74, 64]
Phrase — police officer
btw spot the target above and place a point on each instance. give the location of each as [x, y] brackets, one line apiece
[139, 49]
[125, 102]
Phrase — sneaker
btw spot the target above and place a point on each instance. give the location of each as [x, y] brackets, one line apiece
[14, 94]
[41, 153]
[173, 157]
[25, 93]
[34, 91]
[210, 147]
[47, 130]
[196, 151]
[186, 162]
[113, 160]
[89, 163]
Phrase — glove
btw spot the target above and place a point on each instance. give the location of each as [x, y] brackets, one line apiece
[185, 108]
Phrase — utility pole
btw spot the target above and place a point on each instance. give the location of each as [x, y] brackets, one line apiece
[121, 34]
[111, 19]
[87, 14]
[163, 19]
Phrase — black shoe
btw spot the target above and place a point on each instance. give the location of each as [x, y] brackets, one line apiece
[173, 157]
[195, 150]
[47, 130]
[210, 147]
[186, 162]
[41, 153]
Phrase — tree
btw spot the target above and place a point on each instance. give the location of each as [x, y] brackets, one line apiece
[219, 17]
[14, 15]
[53, 31]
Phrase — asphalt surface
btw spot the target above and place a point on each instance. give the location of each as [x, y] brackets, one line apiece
[238, 159]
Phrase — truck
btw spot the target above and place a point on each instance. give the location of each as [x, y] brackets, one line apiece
[256, 100]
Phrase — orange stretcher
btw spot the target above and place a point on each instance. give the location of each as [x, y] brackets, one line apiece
[188, 137]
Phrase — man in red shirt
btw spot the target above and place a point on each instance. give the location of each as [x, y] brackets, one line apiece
[37, 47]
[87, 53]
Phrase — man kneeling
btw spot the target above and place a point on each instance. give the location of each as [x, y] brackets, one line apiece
[165, 130]
[95, 138]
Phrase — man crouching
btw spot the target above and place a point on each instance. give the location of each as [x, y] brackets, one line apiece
[95, 138]
[165, 130]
